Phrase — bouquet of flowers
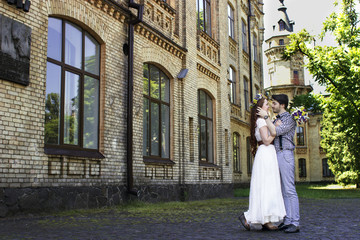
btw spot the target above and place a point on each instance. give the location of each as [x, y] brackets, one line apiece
[299, 114]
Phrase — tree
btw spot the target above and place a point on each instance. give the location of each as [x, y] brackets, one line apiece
[52, 118]
[311, 102]
[338, 68]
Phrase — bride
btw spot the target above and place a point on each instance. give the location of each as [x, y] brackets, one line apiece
[266, 204]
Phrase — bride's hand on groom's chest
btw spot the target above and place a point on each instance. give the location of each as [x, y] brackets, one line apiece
[278, 123]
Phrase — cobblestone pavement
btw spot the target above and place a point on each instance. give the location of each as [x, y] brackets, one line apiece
[320, 219]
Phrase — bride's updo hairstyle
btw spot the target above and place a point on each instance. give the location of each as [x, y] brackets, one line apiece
[258, 101]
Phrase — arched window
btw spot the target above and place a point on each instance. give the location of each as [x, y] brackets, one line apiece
[302, 167]
[156, 113]
[206, 151]
[231, 22]
[236, 152]
[72, 88]
[300, 137]
[204, 15]
[232, 79]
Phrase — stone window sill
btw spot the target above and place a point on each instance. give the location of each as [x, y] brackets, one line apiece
[158, 161]
[73, 152]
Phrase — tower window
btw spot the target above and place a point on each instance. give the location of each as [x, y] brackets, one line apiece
[281, 26]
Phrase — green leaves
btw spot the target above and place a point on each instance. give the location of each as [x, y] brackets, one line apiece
[311, 102]
[338, 68]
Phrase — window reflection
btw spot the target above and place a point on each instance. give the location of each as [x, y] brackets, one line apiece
[91, 113]
[71, 110]
[72, 90]
[206, 151]
[52, 103]
[73, 45]
[92, 55]
[156, 113]
[54, 39]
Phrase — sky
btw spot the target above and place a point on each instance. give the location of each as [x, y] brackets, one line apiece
[308, 14]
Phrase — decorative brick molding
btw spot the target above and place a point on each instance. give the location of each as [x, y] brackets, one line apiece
[209, 173]
[59, 167]
[160, 16]
[208, 48]
[235, 111]
[165, 172]
[301, 150]
[233, 49]
[75, 9]
[159, 40]
[207, 72]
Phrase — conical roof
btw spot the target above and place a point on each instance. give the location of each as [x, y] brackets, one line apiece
[284, 25]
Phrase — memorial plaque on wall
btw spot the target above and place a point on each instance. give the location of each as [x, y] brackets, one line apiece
[15, 41]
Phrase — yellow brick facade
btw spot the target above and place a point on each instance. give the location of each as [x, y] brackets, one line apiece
[168, 38]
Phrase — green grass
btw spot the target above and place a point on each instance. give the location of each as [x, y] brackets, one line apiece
[138, 213]
[145, 208]
[187, 211]
[203, 205]
[316, 191]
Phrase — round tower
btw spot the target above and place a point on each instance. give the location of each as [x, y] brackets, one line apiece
[285, 76]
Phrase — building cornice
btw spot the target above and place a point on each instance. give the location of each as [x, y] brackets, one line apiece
[288, 86]
[112, 8]
[207, 72]
[159, 39]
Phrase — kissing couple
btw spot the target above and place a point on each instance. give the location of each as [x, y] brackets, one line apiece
[273, 198]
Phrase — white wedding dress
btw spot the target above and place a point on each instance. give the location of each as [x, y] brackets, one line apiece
[266, 203]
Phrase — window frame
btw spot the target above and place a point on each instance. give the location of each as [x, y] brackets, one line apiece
[206, 26]
[207, 119]
[160, 103]
[232, 80]
[326, 172]
[255, 48]
[302, 168]
[62, 148]
[282, 26]
[244, 38]
[300, 136]
[231, 21]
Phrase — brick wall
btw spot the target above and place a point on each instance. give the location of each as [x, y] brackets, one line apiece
[28, 174]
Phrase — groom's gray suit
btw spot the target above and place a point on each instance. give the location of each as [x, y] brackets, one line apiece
[284, 145]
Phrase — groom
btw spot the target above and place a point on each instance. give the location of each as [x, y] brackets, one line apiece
[284, 130]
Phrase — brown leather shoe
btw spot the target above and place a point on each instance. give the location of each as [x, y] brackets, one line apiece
[270, 227]
[244, 222]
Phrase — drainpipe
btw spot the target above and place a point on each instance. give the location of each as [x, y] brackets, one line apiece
[250, 56]
[130, 49]
[181, 76]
